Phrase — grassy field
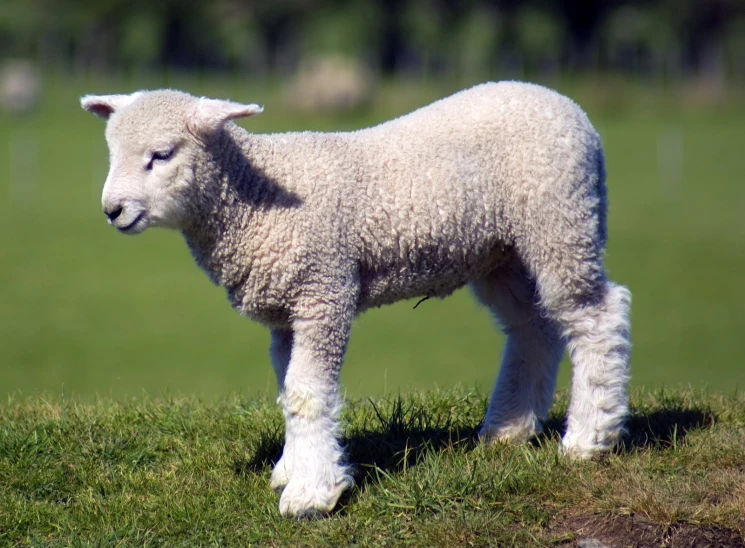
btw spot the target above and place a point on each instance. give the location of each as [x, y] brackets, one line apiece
[179, 472]
[85, 311]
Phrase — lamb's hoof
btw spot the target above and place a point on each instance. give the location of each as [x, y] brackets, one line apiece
[304, 501]
[280, 476]
[596, 446]
[510, 433]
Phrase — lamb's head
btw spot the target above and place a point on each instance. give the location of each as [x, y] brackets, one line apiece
[154, 139]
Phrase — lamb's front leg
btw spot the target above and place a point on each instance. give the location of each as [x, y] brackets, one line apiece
[311, 404]
[280, 352]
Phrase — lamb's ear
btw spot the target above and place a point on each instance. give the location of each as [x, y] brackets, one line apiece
[211, 114]
[104, 105]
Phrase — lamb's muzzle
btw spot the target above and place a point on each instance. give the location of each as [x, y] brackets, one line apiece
[113, 213]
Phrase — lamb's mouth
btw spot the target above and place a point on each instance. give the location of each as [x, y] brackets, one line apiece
[133, 228]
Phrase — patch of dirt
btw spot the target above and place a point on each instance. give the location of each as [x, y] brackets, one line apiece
[598, 531]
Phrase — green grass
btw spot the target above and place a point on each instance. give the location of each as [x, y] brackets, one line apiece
[87, 311]
[182, 472]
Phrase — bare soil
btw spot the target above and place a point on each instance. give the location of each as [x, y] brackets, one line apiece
[635, 531]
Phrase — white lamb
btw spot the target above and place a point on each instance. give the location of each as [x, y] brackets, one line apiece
[501, 186]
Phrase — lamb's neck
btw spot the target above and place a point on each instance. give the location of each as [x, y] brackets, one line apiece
[232, 197]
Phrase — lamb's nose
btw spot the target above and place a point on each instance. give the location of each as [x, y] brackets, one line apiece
[114, 213]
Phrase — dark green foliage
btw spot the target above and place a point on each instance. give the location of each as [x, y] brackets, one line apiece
[654, 40]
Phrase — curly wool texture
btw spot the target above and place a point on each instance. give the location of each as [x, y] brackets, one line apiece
[418, 206]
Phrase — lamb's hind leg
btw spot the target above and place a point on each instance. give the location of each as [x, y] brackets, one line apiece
[593, 316]
[524, 389]
[596, 328]
[561, 240]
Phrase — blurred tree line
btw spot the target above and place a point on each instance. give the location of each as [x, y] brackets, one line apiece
[645, 38]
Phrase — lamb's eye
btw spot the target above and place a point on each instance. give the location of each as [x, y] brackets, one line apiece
[163, 155]
[160, 156]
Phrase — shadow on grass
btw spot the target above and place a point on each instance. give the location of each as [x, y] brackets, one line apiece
[399, 437]
[404, 432]
[665, 428]
[266, 453]
[661, 428]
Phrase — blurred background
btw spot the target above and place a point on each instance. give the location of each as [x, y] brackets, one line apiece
[85, 311]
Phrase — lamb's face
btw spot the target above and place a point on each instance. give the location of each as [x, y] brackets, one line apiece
[154, 138]
[150, 164]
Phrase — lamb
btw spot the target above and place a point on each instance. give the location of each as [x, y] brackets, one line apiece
[501, 186]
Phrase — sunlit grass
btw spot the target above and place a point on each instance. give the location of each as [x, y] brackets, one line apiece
[178, 471]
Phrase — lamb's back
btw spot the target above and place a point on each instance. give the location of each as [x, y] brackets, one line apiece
[436, 198]
[446, 187]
